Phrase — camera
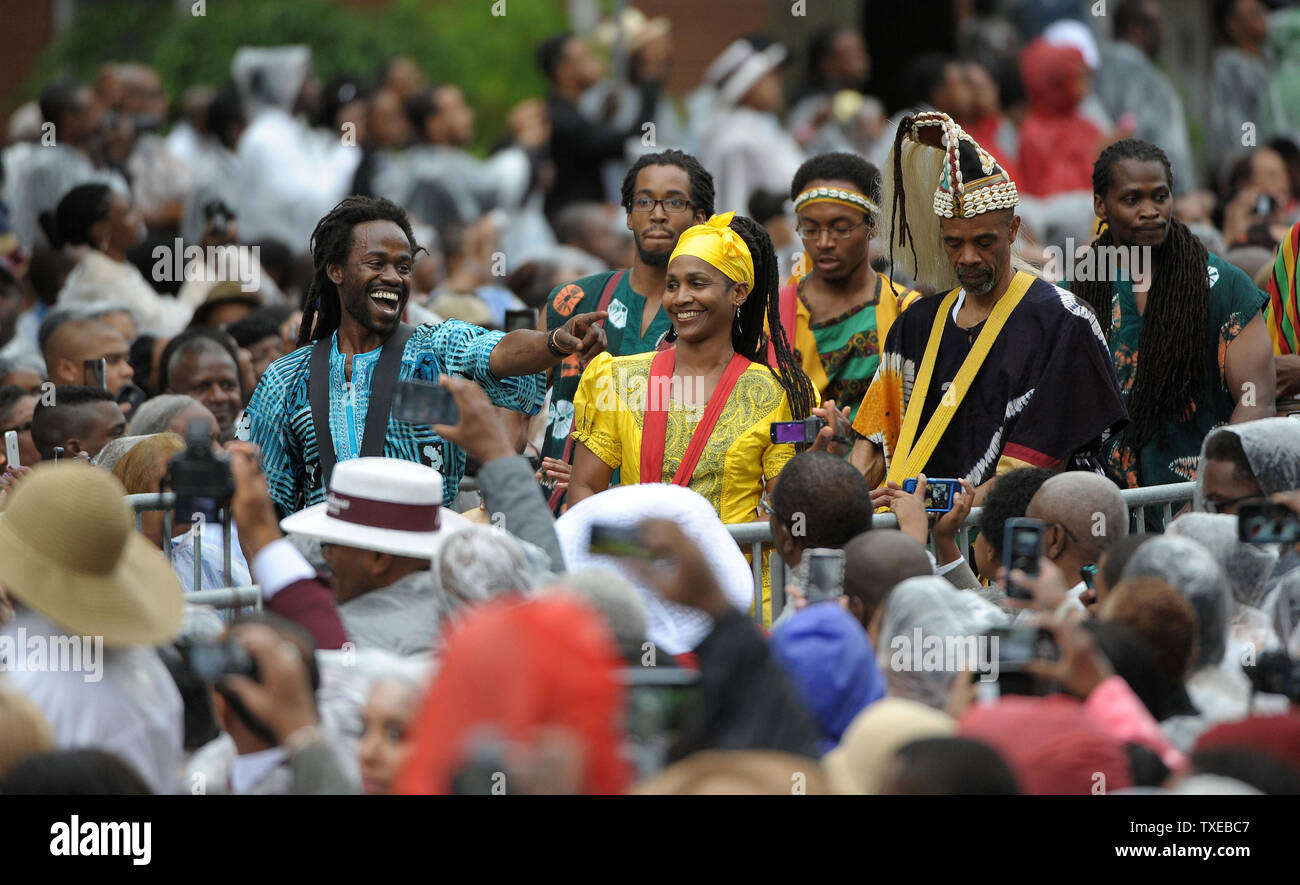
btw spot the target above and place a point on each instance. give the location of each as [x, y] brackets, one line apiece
[820, 574]
[796, 432]
[1267, 523]
[524, 318]
[939, 493]
[1275, 673]
[617, 540]
[1022, 547]
[422, 402]
[1265, 205]
[212, 659]
[201, 482]
[1016, 646]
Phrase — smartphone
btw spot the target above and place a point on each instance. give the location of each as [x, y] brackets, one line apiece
[796, 432]
[524, 318]
[939, 493]
[1267, 523]
[823, 578]
[1022, 547]
[11, 448]
[96, 373]
[423, 402]
[617, 540]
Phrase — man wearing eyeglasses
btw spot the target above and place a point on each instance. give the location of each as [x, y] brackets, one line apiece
[840, 308]
[664, 194]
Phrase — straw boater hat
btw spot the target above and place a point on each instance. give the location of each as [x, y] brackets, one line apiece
[70, 551]
[382, 504]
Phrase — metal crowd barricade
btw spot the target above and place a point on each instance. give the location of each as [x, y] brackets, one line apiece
[756, 534]
[222, 597]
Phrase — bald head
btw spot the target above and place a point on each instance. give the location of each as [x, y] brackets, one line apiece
[73, 342]
[874, 563]
[1084, 513]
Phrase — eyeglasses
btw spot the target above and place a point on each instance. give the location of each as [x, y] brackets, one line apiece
[838, 232]
[765, 507]
[671, 205]
[1223, 506]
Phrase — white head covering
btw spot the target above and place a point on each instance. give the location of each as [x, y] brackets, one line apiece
[1193, 571]
[1071, 32]
[1247, 566]
[673, 628]
[270, 75]
[1272, 447]
[934, 607]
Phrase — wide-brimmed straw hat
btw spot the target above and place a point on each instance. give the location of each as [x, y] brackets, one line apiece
[69, 550]
[383, 504]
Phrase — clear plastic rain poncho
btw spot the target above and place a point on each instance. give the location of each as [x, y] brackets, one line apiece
[928, 632]
[1193, 571]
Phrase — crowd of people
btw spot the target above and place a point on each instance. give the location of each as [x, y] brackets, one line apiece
[313, 313]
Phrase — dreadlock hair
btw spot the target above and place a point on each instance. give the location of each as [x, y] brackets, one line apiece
[701, 180]
[747, 337]
[330, 243]
[1171, 374]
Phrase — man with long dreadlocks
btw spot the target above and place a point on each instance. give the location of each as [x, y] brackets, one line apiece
[698, 414]
[329, 400]
[1002, 370]
[1194, 319]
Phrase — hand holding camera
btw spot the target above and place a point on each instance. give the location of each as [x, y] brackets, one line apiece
[278, 693]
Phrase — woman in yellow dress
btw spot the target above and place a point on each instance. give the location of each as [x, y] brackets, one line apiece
[698, 414]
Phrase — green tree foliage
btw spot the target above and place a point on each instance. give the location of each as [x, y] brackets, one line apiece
[456, 41]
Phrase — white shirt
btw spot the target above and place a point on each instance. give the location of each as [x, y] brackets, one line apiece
[134, 710]
[98, 279]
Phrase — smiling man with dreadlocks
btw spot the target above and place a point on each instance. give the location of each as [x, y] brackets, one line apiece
[1002, 370]
[1195, 320]
[329, 400]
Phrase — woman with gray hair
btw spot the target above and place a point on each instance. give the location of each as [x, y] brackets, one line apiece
[169, 412]
[927, 613]
[481, 562]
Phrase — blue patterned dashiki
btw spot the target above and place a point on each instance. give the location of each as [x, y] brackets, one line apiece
[278, 418]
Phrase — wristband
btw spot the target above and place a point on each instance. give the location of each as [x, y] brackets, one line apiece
[551, 345]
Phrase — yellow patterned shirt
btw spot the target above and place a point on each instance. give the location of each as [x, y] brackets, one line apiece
[609, 409]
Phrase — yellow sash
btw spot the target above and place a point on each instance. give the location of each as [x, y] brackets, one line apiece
[908, 460]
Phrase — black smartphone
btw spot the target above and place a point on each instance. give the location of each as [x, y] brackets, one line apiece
[1267, 523]
[96, 373]
[422, 402]
[796, 432]
[663, 705]
[617, 540]
[939, 493]
[1022, 547]
[823, 575]
[523, 318]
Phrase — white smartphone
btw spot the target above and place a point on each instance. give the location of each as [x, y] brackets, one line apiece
[11, 448]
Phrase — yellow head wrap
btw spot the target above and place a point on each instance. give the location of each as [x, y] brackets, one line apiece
[715, 242]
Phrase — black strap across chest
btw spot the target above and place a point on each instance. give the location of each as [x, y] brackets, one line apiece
[382, 384]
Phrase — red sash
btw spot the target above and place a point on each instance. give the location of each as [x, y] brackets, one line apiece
[654, 429]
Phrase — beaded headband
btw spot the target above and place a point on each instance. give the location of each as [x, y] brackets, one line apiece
[858, 201]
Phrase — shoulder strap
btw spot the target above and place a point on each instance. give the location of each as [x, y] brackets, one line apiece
[318, 394]
[607, 293]
[910, 460]
[382, 384]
